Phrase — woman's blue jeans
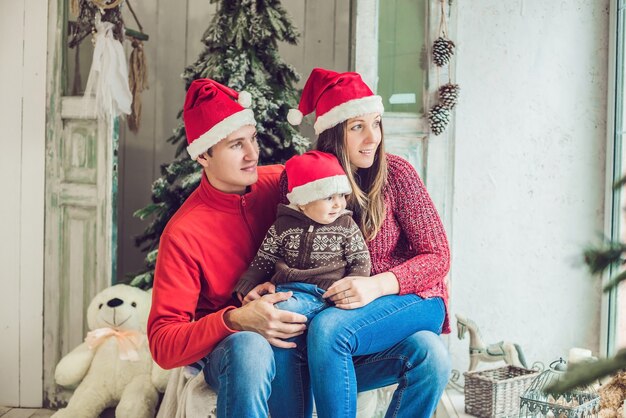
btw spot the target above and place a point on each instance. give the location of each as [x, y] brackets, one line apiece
[394, 339]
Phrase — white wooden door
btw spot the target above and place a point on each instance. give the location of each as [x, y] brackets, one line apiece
[22, 117]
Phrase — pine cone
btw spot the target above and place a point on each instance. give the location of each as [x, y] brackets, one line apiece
[438, 117]
[449, 95]
[443, 49]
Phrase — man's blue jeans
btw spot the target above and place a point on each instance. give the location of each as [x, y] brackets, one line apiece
[394, 339]
[240, 369]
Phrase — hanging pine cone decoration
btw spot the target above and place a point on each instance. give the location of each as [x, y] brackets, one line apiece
[438, 117]
[449, 95]
[443, 49]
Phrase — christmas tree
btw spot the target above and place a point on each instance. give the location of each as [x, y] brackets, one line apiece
[242, 53]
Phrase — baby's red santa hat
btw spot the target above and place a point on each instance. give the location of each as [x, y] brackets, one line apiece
[315, 175]
[335, 97]
[213, 111]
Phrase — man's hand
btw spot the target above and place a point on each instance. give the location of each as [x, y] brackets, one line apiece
[257, 292]
[262, 317]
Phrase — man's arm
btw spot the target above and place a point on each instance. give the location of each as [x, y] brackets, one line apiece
[177, 341]
[174, 339]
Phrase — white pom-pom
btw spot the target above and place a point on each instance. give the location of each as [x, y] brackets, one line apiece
[245, 99]
[294, 117]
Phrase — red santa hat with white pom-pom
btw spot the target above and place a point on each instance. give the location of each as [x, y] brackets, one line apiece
[335, 97]
[315, 175]
[213, 111]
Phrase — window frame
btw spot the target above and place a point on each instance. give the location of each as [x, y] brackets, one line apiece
[432, 156]
[614, 227]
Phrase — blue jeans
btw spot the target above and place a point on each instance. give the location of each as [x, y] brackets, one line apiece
[306, 299]
[394, 339]
[240, 369]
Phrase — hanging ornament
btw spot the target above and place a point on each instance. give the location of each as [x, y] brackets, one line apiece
[443, 49]
[74, 8]
[449, 95]
[138, 81]
[438, 118]
[138, 76]
[108, 76]
[84, 25]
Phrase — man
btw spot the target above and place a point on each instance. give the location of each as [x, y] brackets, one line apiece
[204, 249]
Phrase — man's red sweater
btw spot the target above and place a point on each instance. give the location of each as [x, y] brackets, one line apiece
[204, 249]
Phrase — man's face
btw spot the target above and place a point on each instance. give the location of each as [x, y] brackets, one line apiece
[233, 165]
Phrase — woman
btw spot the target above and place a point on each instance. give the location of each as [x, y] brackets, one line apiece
[384, 328]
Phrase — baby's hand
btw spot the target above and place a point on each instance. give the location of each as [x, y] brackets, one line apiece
[258, 291]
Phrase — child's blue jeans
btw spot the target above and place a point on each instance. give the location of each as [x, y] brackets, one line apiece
[306, 299]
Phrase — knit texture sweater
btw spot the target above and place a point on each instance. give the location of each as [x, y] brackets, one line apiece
[311, 252]
[411, 243]
[204, 249]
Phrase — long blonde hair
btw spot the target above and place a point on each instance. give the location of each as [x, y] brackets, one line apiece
[366, 200]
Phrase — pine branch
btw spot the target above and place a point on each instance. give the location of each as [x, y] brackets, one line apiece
[588, 373]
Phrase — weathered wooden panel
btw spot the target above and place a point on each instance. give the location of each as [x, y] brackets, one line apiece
[23, 47]
[32, 202]
[294, 54]
[79, 153]
[403, 137]
[319, 36]
[80, 196]
[169, 86]
[136, 151]
[78, 268]
[341, 33]
[199, 15]
[10, 119]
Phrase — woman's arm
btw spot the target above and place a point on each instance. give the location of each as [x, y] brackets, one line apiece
[417, 216]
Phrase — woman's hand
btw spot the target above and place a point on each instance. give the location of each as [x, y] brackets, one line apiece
[257, 292]
[353, 292]
[356, 291]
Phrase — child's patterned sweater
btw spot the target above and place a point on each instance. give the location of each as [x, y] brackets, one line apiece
[298, 249]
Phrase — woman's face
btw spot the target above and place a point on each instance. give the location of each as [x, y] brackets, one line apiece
[362, 139]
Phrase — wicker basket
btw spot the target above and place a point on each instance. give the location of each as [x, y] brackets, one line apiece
[495, 393]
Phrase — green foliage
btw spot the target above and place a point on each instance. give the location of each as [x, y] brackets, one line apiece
[587, 374]
[241, 51]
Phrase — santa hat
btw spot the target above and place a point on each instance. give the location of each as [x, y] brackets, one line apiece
[212, 112]
[315, 175]
[335, 97]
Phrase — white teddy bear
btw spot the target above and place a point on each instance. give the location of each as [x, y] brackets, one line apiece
[113, 365]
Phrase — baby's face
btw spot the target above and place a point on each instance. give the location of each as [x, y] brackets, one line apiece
[325, 211]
